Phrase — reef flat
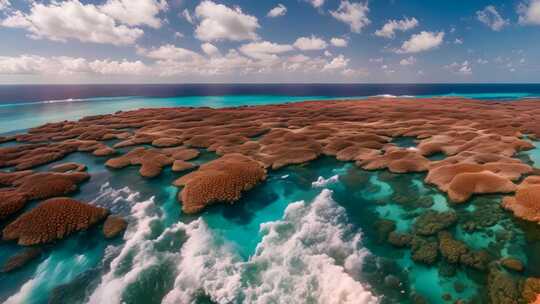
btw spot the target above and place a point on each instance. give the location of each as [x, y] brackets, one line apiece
[465, 148]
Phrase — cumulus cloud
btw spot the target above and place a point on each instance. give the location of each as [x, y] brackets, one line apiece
[339, 42]
[338, 62]
[38, 65]
[316, 3]
[61, 21]
[170, 62]
[310, 43]
[491, 17]
[352, 13]
[458, 41]
[407, 61]
[463, 68]
[355, 72]
[220, 22]
[279, 10]
[169, 52]
[135, 12]
[421, 42]
[529, 12]
[210, 49]
[4, 4]
[264, 49]
[389, 29]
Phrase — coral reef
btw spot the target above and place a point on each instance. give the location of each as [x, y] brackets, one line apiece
[531, 290]
[431, 222]
[221, 180]
[526, 203]
[182, 165]
[20, 259]
[53, 220]
[66, 167]
[113, 226]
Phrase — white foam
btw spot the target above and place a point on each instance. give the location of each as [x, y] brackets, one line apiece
[393, 96]
[59, 268]
[321, 182]
[310, 255]
[205, 264]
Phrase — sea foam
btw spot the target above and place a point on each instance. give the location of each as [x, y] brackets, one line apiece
[322, 182]
[309, 256]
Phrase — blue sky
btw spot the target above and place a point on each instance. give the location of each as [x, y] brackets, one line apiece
[140, 41]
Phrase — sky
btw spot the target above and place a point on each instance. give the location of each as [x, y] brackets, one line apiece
[262, 41]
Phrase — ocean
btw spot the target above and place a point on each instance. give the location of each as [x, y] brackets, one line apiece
[306, 235]
[24, 106]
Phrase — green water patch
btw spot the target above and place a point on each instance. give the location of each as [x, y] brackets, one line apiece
[532, 156]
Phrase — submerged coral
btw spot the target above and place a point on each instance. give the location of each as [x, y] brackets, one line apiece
[431, 222]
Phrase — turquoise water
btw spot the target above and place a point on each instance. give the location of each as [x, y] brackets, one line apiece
[306, 235]
[21, 115]
[25, 115]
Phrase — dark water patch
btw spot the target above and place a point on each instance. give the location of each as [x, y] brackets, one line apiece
[29, 93]
[405, 141]
[151, 285]
[437, 156]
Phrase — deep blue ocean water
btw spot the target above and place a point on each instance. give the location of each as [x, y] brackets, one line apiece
[306, 235]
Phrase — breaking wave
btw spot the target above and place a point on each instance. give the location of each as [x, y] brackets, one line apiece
[309, 256]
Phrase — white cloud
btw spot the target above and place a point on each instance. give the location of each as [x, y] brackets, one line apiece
[422, 42]
[72, 20]
[277, 11]
[171, 63]
[355, 73]
[339, 42]
[376, 60]
[327, 53]
[458, 41]
[178, 35]
[407, 61]
[352, 13]
[316, 3]
[187, 15]
[210, 49]
[310, 43]
[463, 68]
[220, 22]
[108, 67]
[4, 4]
[264, 49]
[390, 28]
[482, 61]
[135, 12]
[169, 52]
[338, 62]
[491, 17]
[38, 65]
[529, 12]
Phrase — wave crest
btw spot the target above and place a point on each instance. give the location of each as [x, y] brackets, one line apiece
[310, 255]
